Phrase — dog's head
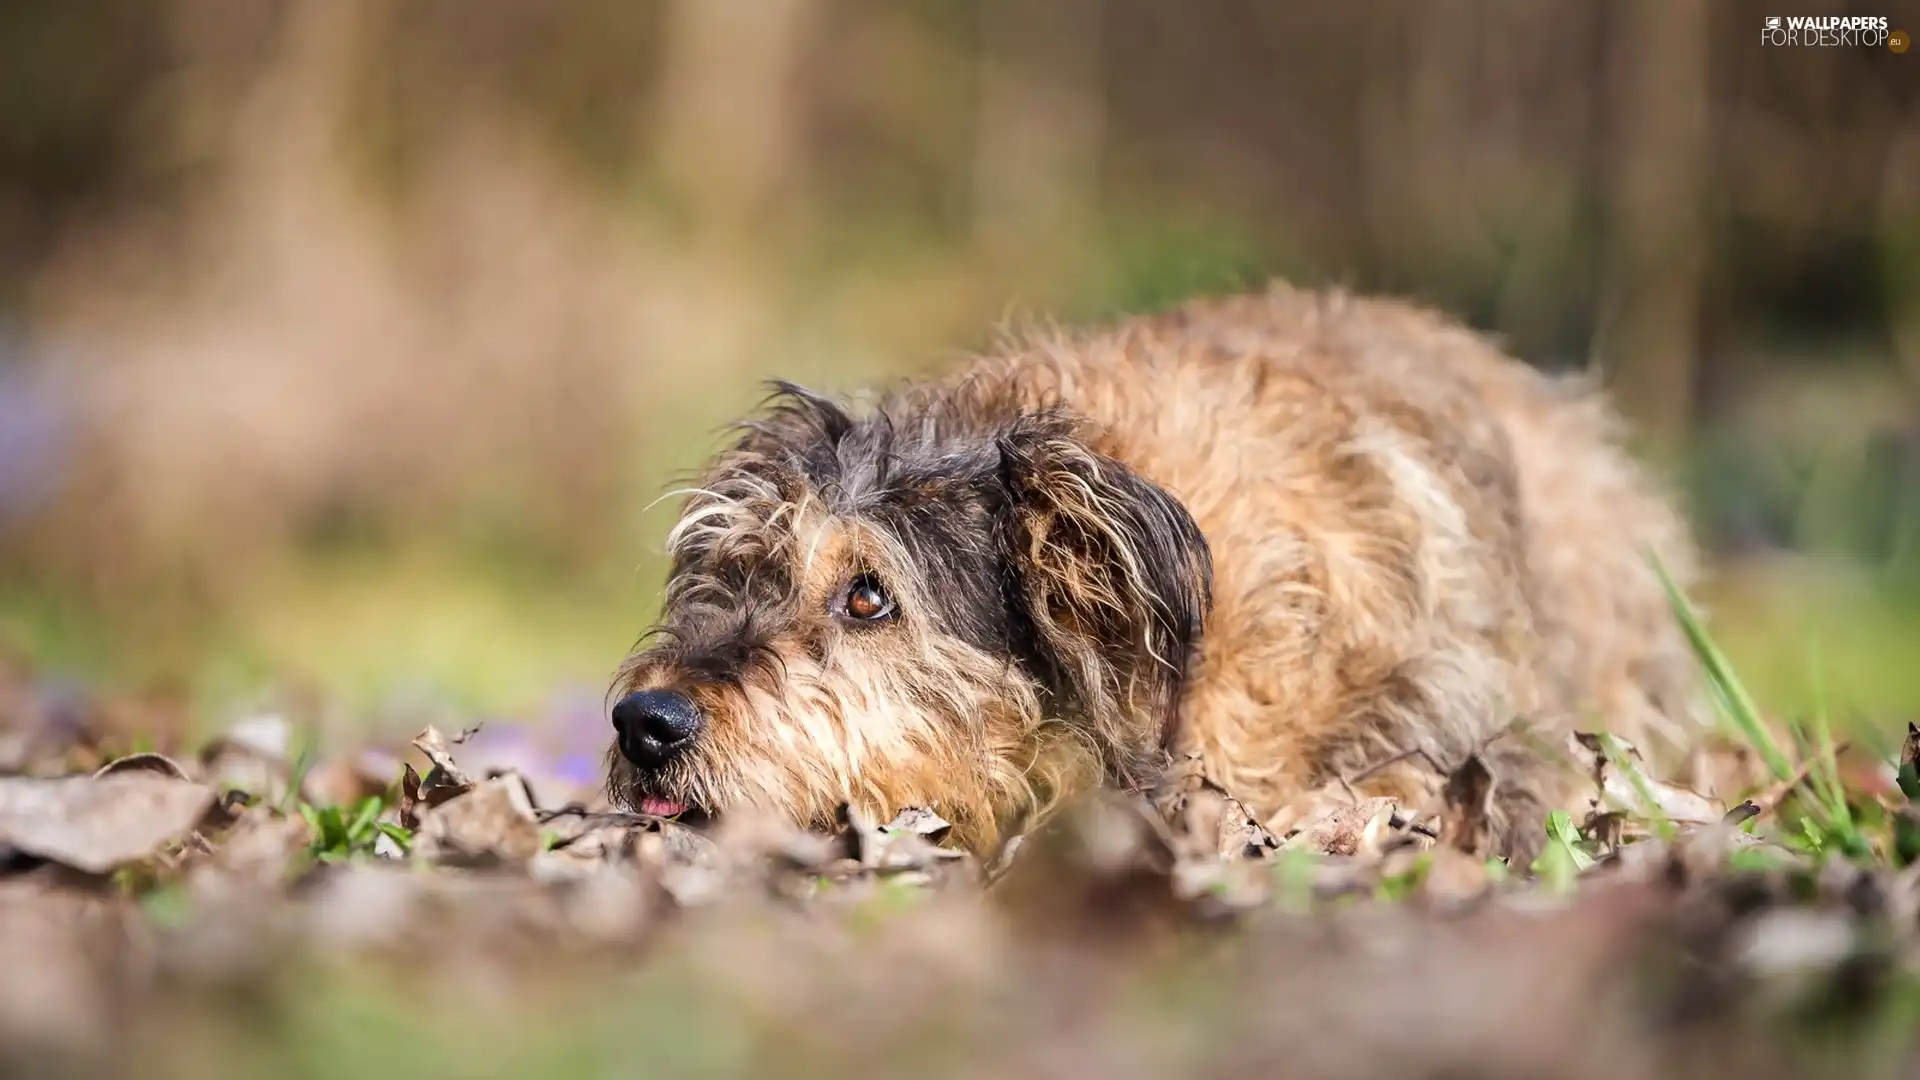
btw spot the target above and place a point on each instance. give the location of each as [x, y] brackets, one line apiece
[946, 602]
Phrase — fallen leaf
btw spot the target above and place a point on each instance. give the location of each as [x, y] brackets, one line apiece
[1359, 829]
[1633, 789]
[920, 821]
[159, 764]
[98, 825]
[261, 845]
[444, 779]
[1312, 806]
[577, 839]
[878, 848]
[747, 836]
[1908, 775]
[410, 806]
[490, 822]
[1468, 798]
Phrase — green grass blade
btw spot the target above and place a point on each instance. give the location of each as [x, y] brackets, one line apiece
[362, 826]
[1735, 703]
[1826, 755]
[1560, 827]
[303, 762]
[333, 828]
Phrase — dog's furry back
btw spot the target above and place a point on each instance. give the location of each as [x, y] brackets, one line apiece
[1415, 540]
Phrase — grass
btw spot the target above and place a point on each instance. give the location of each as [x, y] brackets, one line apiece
[1730, 694]
[341, 833]
[1825, 819]
[1565, 857]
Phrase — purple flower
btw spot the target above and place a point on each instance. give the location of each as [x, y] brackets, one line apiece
[561, 755]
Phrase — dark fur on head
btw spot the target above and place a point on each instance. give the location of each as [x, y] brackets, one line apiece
[1047, 603]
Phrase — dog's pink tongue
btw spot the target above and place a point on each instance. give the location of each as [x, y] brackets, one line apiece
[654, 804]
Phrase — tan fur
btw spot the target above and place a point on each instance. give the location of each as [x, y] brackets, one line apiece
[1415, 542]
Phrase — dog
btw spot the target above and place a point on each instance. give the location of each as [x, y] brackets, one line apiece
[1296, 537]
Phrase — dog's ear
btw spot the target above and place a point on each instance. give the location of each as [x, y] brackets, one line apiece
[1114, 579]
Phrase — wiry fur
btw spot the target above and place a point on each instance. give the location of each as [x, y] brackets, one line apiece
[1300, 535]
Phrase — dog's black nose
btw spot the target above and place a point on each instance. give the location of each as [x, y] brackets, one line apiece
[654, 726]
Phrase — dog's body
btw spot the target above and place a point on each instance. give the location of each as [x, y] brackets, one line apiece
[1301, 536]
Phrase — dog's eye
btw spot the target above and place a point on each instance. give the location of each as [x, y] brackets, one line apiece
[866, 600]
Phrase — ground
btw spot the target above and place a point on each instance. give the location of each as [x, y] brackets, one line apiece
[262, 904]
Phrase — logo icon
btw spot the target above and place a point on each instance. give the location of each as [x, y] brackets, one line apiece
[1773, 22]
[1898, 41]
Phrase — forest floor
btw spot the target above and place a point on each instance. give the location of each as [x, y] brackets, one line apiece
[257, 904]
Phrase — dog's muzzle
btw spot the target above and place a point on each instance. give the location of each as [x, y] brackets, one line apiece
[655, 726]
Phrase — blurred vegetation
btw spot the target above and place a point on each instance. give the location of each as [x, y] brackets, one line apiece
[351, 344]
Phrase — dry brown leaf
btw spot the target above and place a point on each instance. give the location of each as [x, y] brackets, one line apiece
[1617, 789]
[1218, 888]
[98, 825]
[1468, 797]
[1312, 806]
[580, 841]
[1610, 829]
[1214, 825]
[1214, 840]
[920, 821]
[881, 848]
[1207, 819]
[410, 806]
[1360, 829]
[444, 779]
[493, 821]
[158, 764]
[261, 845]
[748, 836]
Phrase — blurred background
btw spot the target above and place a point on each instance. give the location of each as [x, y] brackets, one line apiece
[345, 346]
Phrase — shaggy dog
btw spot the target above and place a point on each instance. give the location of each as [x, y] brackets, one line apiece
[1297, 537]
